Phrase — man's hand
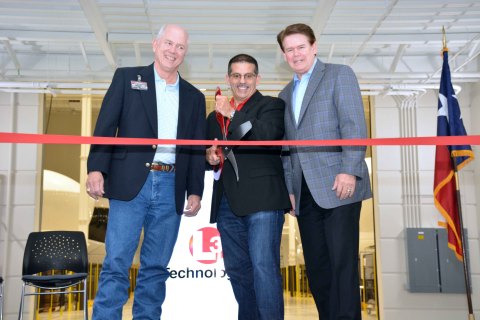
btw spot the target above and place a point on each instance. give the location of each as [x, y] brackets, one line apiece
[94, 185]
[213, 155]
[193, 206]
[292, 210]
[344, 185]
[222, 106]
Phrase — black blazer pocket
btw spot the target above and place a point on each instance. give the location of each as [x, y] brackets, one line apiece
[260, 172]
[119, 153]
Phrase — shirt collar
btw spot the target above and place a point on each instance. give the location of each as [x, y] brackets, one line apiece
[307, 75]
[160, 80]
[241, 104]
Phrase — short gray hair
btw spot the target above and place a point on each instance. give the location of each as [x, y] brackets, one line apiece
[164, 27]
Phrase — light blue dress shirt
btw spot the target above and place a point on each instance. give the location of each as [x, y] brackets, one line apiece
[299, 88]
[167, 117]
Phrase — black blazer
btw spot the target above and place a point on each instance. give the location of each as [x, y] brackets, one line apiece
[132, 113]
[261, 185]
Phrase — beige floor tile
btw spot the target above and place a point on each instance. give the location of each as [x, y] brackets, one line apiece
[296, 308]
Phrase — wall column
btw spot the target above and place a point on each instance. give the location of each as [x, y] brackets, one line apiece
[86, 130]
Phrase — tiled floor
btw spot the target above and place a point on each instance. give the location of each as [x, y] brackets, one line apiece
[303, 308]
[296, 308]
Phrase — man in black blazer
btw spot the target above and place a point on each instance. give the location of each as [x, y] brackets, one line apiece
[146, 185]
[249, 212]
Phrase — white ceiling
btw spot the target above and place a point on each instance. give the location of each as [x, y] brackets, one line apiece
[393, 45]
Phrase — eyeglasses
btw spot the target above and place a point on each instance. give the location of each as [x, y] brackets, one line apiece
[246, 76]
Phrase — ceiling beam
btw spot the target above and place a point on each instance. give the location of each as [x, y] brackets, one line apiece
[138, 54]
[321, 16]
[149, 18]
[229, 5]
[47, 36]
[85, 57]
[398, 57]
[267, 76]
[434, 74]
[373, 31]
[470, 58]
[330, 52]
[96, 89]
[472, 50]
[210, 56]
[269, 39]
[99, 27]
[12, 55]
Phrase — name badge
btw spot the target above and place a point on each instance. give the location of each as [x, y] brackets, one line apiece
[139, 85]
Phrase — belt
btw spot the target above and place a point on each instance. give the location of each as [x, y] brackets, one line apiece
[158, 166]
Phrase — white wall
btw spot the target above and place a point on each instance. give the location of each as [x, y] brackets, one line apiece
[19, 190]
[404, 198]
[474, 119]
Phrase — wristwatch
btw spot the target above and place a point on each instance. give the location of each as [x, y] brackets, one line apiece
[231, 115]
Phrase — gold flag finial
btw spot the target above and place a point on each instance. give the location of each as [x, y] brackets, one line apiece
[444, 39]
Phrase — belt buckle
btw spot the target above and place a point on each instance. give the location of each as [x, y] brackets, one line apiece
[158, 166]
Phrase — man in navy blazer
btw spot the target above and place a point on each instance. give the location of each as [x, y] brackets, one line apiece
[146, 184]
[326, 184]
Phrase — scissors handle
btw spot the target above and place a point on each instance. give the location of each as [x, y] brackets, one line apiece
[218, 92]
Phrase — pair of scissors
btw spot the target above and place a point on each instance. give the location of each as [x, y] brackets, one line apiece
[238, 134]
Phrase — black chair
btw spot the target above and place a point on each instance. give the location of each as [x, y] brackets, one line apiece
[53, 251]
[1, 298]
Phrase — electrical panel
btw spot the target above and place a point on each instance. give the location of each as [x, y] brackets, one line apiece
[423, 260]
[452, 277]
[432, 265]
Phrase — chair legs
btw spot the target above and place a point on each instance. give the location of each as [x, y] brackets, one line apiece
[22, 301]
[20, 314]
[85, 300]
[1, 298]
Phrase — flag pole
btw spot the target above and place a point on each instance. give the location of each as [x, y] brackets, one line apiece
[466, 271]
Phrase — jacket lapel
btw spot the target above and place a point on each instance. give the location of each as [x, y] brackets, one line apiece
[246, 109]
[149, 97]
[288, 102]
[184, 109]
[315, 79]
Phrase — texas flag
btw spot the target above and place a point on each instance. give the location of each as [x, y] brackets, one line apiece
[449, 123]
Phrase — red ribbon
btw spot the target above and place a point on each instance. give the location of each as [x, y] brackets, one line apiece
[12, 137]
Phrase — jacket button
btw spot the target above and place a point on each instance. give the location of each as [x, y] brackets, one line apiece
[154, 146]
[147, 164]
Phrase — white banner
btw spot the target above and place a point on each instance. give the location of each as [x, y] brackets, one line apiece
[198, 287]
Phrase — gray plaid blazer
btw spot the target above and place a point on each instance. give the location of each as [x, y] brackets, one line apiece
[332, 108]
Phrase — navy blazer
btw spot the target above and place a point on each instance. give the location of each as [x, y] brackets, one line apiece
[128, 112]
[261, 186]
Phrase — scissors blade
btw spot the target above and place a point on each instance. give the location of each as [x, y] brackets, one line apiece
[228, 154]
[240, 131]
[238, 134]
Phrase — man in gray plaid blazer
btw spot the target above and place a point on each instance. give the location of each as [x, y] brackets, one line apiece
[326, 183]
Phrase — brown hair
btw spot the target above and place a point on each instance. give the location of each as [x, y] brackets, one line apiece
[298, 28]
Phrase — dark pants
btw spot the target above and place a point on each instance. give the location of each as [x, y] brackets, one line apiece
[330, 247]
